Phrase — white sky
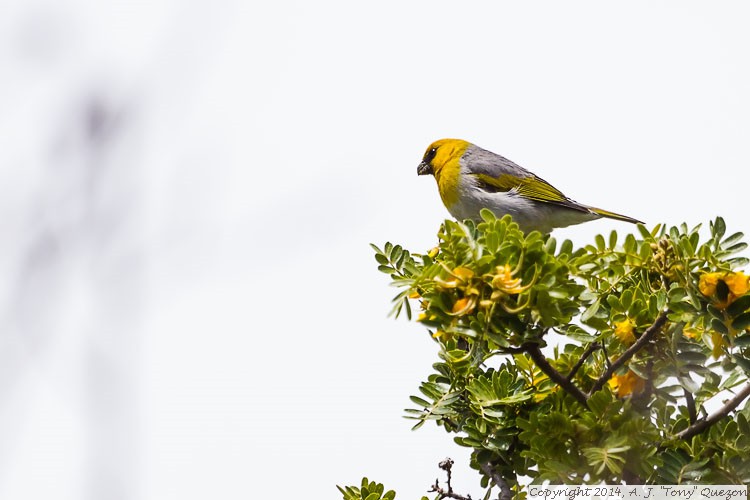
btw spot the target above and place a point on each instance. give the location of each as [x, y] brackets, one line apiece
[243, 335]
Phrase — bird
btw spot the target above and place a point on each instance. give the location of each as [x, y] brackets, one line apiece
[470, 178]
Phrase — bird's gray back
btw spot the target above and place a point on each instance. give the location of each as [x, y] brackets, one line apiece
[481, 161]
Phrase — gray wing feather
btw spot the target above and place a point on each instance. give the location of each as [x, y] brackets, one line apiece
[492, 164]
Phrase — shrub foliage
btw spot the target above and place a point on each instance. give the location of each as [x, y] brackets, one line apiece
[623, 362]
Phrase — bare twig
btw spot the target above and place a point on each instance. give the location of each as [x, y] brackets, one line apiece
[446, 494]
[704, 423]
[588, 352]
[446, 465]
[690, 406]
[505, 493]
[606, 356]
[554, 375]
[644, 339]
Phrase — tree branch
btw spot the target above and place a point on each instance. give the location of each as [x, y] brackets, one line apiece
[505, 493]
[644, 339]
[554, 375]
[704, 423]
[606, 356]
[591, 348]
[446, 494]
[446, 465]
[690, 403]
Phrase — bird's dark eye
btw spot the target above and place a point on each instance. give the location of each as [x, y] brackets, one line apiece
[430, 155]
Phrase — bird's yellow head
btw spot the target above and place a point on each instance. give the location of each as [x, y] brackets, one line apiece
[440, 154]
[442, 160]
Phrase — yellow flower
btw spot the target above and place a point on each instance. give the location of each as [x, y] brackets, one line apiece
[707, 283]
[442, 334]
[426, 316]
[460, 276]
[627, 384]
[624, 331]
[691, 333]
[505, 282]
[463, 273]
[464, 306]
[433, 252]
[737, 284]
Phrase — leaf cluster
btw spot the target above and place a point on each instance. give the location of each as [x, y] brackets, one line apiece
[601, 363]
[368, 490]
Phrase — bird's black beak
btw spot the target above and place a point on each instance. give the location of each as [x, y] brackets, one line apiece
[425, 169]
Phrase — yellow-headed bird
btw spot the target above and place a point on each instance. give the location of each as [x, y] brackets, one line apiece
[470, 178]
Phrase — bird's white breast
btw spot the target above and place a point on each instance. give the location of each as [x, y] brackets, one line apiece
[529, 214]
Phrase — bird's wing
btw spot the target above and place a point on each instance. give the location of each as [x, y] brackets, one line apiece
[529, 186]
[495, 173]
[532, 187]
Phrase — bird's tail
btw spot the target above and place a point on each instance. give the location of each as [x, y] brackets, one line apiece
[612, 215]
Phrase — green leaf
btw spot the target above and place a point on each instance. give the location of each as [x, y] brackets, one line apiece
[396, 254]
[566, 248]
[626, 299]
[730, 240]
[487, 215]
[382, 259]
[739, 306]
[719, 326]
[600, 245]
[421, 402]
[575, 332]
[599, 402]
[645, 234]
[736, 248]
[644, 252]
[590, 311]
[742, 362]
[613, 239]
[515, 398]
[688, 383]
[742, 321]
[743, 424]
[718, 228]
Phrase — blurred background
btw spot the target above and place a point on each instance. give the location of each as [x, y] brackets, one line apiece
[189, 307]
